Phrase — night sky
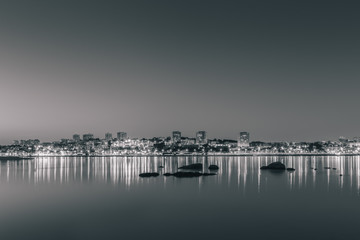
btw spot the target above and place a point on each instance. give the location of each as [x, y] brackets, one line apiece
[282, 70]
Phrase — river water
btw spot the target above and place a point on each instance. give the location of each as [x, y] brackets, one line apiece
[104, 198]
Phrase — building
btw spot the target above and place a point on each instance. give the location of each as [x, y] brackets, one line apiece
[201, 137]
[76, 137]
[176, 136]
[121, 135]
[244, 139]
[108, 136]
[30, 142]
[354, 144]
[188, 141]
[64, 141]
[88, 136]
[343, 139]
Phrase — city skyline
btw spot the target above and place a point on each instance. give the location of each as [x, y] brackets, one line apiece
[233, 135]
[176, 144]
[200, 137]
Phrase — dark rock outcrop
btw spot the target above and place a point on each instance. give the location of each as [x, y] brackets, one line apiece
[150, 174]
[213, 167]
[195, 166]
[290, 169]
[274, 166]
[161, 166]
[327, 167]
[188, 174]
[334, 168]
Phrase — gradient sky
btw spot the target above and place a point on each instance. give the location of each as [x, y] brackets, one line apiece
[282, 70]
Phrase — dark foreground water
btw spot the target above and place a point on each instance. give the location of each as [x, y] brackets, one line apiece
[104, 198]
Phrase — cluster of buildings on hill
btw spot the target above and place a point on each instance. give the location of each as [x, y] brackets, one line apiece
[176, 144]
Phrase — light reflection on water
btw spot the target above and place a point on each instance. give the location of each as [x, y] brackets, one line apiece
[104, 198]
[241, 172]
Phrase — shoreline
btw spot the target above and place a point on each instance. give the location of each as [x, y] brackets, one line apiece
[14, 158]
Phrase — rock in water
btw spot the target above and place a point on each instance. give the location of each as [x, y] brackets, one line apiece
[150, 174]
[187, 174]
[274, 166]
[290, 169]
[195, 166]
[213, 167]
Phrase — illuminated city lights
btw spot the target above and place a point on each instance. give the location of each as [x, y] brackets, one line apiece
[175, 145]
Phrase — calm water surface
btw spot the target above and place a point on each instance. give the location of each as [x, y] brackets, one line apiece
[104, 198]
